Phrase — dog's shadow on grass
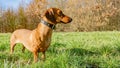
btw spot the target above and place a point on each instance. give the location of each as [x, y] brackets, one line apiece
[74, 52]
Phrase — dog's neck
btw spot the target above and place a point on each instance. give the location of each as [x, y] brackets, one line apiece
[52, 26]
[44, 29]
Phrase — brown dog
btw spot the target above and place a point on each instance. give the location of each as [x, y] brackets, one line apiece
[38, 40]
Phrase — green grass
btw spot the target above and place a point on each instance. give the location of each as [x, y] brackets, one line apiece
[67, 50]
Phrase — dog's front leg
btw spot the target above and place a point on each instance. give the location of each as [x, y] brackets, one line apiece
[35, 56]
[43, 56]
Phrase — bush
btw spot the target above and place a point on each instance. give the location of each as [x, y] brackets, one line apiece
[87, 15]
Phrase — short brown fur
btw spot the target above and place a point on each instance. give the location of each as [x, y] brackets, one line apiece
[38, 40]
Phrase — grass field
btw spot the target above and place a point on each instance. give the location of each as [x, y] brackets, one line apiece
[67, 50]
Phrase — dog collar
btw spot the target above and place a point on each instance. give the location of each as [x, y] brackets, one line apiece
[48, 24]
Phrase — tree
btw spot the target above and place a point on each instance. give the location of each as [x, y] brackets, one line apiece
[9, 19]
[21, 17]
[34, 11]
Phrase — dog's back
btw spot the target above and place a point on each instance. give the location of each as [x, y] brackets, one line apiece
[21, 36]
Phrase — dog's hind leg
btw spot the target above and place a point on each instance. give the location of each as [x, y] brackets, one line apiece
[23, 49]
[12, 45]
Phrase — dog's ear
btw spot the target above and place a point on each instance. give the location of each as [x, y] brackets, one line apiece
[50, 15]
[51, 11]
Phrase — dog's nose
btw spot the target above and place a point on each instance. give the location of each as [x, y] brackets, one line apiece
[70, 19]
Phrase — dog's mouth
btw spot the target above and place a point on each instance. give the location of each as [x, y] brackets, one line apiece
[62, 22]
[69, 21]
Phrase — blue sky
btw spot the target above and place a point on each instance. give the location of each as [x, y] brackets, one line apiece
[12, 3]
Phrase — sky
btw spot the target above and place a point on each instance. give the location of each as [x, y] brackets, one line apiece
[12, 3]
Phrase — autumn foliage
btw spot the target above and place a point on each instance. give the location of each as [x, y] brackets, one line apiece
[87, 15]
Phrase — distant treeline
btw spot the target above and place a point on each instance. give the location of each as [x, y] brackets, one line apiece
[87, 15]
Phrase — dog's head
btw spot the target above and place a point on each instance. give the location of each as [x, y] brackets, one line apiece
[55, 15]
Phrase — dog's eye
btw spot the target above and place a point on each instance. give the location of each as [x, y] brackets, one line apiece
[60, 13]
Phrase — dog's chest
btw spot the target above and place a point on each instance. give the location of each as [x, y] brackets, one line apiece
[45, 42]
